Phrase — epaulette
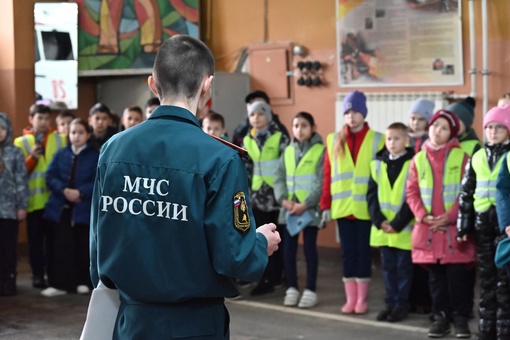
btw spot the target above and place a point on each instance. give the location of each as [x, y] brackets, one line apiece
[242, 152]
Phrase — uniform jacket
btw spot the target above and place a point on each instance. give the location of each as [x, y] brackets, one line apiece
[171, 219]
[263, 198]
[430, 247]
[404, 215]
[280, 185]
[13, 176]
[57, 179]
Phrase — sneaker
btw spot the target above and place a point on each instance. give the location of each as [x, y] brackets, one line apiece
[461, 327]
[51, 292]
[383, 315]
[82, 289]
[291, 297]
[440, 327]
[308, 299]
[396, 315]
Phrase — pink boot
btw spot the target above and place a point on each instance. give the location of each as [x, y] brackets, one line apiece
[350, 293]
[361, 303]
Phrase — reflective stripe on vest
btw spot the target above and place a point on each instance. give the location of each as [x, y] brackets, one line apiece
[301, 179]
[485, 192]
[38, 192]
[468, 146]
[390, 200]
[452, 176]
[349, 182]
[265, 161]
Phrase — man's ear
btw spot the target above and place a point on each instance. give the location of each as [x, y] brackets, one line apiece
[152, 85]
[205, 91]
[207, 87]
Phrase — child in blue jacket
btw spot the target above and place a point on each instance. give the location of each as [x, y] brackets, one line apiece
[70, 178]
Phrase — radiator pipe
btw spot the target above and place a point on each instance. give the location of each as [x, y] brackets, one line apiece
[485, 67]
[472, 46]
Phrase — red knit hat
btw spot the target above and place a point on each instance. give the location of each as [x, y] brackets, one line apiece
[451, 118]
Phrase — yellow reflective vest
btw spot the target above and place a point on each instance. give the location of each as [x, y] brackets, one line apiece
[349, 182]
[485, 192]
[468, 146]
[300, 179]
[265, 161]
[390, 200]
[451, 178]
[38, 192]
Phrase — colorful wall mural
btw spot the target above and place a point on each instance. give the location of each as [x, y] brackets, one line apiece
[123, 36]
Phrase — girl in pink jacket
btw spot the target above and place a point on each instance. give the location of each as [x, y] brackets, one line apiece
[432, 194]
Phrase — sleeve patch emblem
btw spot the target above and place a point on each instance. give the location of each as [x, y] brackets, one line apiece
[241, 215]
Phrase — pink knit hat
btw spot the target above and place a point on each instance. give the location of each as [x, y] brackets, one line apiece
[499, 115]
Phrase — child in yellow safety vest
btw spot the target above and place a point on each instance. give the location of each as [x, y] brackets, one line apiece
[297, 187]
[265, 144]
[344, 190]
[477, 215]
[432, 194]
[392, 220]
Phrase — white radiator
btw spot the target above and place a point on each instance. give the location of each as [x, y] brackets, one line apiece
[385, 108]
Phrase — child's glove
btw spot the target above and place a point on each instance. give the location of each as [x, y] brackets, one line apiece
[326, 217]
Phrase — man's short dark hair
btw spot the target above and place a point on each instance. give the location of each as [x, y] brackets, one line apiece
[181, 64]
[256, 95]
[152, 101]
[39, 108]
[100, 107]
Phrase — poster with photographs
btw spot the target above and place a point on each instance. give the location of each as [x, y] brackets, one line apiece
[399, 43]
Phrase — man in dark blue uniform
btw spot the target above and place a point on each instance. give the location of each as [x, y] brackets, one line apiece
[171, 219]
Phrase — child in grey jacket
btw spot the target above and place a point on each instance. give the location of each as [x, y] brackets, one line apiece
[13, 204]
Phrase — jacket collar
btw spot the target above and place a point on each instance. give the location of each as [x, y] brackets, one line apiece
[172, 112]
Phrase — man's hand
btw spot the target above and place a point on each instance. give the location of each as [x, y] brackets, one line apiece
[272, 236]
[507, 230]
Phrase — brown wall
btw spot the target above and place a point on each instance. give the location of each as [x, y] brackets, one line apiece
[230, 26]
[235, 25]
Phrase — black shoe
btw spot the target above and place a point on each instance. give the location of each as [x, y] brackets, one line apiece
[440, 327]
[8, 287]
[461, 327]
[383, 315]
[262, 288]
[39, 282]
[396, 315]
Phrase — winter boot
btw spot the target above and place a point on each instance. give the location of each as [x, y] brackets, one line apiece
[361, 302]
[351, 294]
